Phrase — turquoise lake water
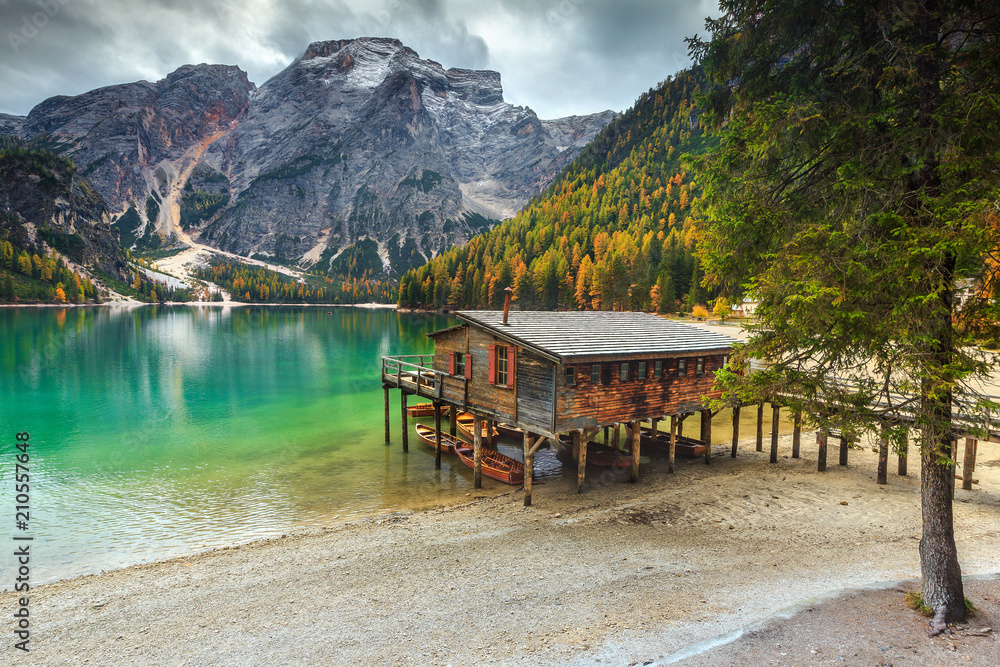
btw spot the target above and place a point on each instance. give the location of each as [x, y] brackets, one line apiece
[158, 431]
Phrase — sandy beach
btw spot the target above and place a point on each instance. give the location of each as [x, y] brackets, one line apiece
[647, 573]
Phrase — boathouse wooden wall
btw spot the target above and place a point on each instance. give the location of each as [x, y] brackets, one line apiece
[533, 389]
[586, 405]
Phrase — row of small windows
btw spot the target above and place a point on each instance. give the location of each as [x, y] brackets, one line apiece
[638, 370]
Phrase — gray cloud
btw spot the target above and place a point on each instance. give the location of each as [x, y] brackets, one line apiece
[558, 56]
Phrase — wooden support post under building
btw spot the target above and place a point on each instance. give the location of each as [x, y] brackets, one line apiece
[437, 436]
[953, 453]
[680, 425]
[883, 455]
[736, 429]
[654, 428]
[405, 421]
[606, 429]
[796, 433]
[386, 391]
[618, 436]
[821, 438]
[706, 434]
[452, 421]
[634, 473]
[760, 427]
[845, 444]
[580, 445]
[969, 464]
[901, 465]
[529, 466]
[775, 414]
[477, 452]
[672, 451]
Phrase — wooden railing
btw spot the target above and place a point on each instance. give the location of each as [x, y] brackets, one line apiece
[414, 373]
[905, 410]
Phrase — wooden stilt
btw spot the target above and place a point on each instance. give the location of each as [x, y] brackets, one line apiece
[845, 443]
[821, 438]
[452, 422]
[405, 422]
[606, 429]
[706, 434]
[477, 452]
[437, 435]
[672, 451]
[680, 424]
[529, 467]
[775, 415]
[385, 390]
[654, 427]
[953, 452]
[901, 465]
[760, 427]
[969, 463]
[634, 473]
[581, 463]
[618, 436]
[796, 433]
[883, 455]
[736, 429]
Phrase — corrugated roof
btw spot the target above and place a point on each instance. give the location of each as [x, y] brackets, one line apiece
[593, 334]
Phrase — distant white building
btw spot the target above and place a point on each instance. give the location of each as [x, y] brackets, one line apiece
[745, 309]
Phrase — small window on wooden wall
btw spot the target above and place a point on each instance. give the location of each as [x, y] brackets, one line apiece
[682, 367]
[641, 373]
[459, 364]
[570, 376]
[595, 374]
[502, 365]
[699, 368]
[624, 372]
[657, 370]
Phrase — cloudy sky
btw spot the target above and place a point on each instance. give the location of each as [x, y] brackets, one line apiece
[559, 57]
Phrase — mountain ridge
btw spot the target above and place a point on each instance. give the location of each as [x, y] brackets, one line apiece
[358, 147]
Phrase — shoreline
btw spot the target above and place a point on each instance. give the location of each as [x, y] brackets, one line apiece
[221, 304]
[622, 573]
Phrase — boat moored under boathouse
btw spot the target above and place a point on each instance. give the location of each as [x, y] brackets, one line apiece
[542, 375]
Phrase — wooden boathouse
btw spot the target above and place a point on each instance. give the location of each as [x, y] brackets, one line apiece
[552, 373]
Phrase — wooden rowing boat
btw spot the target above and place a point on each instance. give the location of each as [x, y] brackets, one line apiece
[661, 443]
[510, 431]
[493, 464]
[424, 410]
[426, 435]
[465, 421]
[598, 454]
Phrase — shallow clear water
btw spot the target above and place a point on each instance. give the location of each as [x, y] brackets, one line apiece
[157, 431]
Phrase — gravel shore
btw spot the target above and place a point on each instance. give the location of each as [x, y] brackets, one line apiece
[622, 574]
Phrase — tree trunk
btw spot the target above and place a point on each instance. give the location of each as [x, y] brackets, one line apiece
[939, 567]
[942, 575]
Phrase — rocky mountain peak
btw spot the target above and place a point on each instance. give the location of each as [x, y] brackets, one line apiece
[476, 86]
[359, 155]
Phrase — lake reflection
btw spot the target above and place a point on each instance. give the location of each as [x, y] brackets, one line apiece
[160, 430]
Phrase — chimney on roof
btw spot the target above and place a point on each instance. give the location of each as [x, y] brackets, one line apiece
[506, 302]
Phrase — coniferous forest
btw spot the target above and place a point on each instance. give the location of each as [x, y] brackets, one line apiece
[256, 284]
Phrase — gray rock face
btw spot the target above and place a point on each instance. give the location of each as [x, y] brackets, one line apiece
[11, 126]
[135, 141]
[356, 141]
[48, 200]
